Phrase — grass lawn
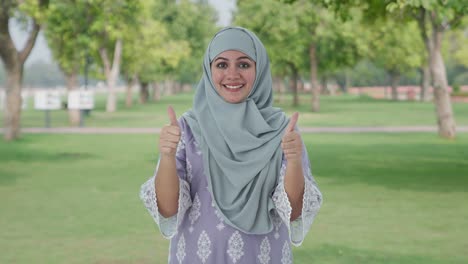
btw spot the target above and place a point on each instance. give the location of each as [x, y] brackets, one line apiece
[335, 111]
[388, 198]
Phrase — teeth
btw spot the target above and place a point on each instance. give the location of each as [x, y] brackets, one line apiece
[233, 87]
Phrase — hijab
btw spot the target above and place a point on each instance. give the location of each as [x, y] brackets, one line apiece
[240, 143]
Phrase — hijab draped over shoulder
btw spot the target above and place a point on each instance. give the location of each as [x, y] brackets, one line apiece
[240, 143]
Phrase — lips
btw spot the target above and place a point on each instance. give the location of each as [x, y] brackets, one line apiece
[233, 86]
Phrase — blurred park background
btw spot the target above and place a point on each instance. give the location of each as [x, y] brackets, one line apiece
[396, 197]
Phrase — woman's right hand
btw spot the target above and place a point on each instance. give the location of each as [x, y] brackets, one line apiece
[170, 136]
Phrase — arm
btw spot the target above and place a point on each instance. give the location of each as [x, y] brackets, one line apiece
[311, 202]
[167, 181]
[167, 186]
[294, 176]
[294, 187]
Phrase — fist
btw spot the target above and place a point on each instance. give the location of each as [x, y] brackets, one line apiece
[291, 142]
[170, 135]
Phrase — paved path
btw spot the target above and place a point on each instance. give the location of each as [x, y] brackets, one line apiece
[123, 130]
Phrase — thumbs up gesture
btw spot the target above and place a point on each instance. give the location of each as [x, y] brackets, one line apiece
[291, 142]
[170, 135]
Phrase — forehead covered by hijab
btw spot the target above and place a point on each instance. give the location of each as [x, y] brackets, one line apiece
[232, 39]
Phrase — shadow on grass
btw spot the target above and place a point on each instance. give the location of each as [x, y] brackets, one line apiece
[337, 254]
[18, 154]
[417, 166]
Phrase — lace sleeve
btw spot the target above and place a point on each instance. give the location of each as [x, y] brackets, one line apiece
[312, 201]
[168, 226]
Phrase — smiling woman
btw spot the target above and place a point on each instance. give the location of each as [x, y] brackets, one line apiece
[233, 183]
[233, 75]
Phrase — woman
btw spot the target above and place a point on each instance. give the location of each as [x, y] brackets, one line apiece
[233, 183]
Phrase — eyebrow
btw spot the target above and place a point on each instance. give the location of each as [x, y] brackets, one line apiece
[240, 58]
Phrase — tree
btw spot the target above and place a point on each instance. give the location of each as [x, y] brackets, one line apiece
[395, 47]
[68, 38]
[434, 19]
[193, 22]
[13, 60]
[276, 24]
[110, 21]
[442, 16]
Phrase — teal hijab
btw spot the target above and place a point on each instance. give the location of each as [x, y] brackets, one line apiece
[240, 143]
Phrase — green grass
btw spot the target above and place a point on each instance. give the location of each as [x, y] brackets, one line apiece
[388, 198]
[335, 111]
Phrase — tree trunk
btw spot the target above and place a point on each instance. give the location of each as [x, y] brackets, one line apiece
[277, 89]
[72, 84]
[168, 87]
[324, 86]
[394, 81]
[12, 114]
[294, 78]
[347, 81]
[425, 82]
[313, 79]
[112, 73]
[343, 81]
[156, 92]
[144, 92]
[13, 62]
[131, 82]
[425, 67]
[443, 104]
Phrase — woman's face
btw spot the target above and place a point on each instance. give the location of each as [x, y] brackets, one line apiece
[233, 75]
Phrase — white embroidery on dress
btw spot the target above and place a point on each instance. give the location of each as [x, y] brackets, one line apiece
[181, 249]
[185, 200]
[286, 257]
[204, 245]
[220, 226]
[312, 201]
[197, 148]
[181, 145]
[281, 201]
[148, 196]
[235, 247]
[277, 222]
[189, 171]
[265, 248]
[194, 213]
[167, 226]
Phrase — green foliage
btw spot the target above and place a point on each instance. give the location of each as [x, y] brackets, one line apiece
[396, 46]
[67, 34]
[191, 23]
[277, 25]
[340, 44]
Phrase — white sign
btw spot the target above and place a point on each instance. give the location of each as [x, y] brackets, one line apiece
[47, 100]
[80, 100]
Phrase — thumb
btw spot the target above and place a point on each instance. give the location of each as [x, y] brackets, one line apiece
[292, 122]
[172, 116]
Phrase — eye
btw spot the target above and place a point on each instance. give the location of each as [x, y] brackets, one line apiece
[221, 65]
[244, 65]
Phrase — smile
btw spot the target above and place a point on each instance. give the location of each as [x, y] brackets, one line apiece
[233, 87]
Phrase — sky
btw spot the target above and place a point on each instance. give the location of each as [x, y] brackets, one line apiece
[41, 51]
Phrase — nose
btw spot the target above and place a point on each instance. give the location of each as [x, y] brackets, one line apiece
[232, 72]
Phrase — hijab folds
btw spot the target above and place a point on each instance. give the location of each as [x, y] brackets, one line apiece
[240, 143]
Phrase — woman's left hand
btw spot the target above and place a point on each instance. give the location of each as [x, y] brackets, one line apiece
[291, 142]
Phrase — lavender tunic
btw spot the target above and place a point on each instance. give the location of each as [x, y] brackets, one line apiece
[198, 233]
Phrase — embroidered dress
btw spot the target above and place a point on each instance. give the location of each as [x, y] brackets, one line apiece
[198, 233]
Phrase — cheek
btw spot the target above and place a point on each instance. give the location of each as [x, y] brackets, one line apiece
[216, 76]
